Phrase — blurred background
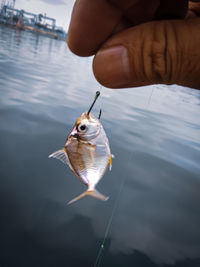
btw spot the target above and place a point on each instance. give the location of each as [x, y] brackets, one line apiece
[154, 133]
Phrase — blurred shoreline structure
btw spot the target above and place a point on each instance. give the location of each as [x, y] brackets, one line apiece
[23, 20]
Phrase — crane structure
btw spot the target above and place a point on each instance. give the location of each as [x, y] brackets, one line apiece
[23, 20]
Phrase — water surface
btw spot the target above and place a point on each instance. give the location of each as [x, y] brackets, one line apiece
[154, 133]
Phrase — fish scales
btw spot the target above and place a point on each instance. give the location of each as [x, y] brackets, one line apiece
[87, 152]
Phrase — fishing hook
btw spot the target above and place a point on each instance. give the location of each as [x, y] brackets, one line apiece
[95, 99]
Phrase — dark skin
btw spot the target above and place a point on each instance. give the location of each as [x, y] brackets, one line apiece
[139, 42]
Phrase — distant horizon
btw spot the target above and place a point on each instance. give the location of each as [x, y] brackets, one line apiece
[60, 10]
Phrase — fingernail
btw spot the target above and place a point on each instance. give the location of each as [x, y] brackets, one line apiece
[112, 68]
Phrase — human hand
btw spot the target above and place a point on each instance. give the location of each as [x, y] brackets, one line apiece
[138, 42]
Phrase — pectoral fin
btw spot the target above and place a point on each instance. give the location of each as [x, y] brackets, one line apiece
[62, 156]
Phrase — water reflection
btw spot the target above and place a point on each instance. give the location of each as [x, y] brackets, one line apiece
[44, 88]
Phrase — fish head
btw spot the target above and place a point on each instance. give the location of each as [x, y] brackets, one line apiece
[86, 128]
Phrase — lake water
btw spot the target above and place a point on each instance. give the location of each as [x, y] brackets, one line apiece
[154, 186]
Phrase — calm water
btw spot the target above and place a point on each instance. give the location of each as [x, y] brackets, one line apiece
[44, 88]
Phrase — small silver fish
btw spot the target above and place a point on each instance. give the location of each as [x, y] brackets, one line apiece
[87, 152]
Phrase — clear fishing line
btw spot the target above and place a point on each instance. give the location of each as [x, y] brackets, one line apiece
[149, 99]
[101, 249]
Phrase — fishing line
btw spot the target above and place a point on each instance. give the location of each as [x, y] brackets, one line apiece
[101, 249]
[149, 100]
[100, 253]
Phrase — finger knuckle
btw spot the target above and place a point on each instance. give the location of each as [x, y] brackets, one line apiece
[159, 54]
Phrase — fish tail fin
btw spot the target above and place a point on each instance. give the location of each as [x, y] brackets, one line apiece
[96, 194]
[93, 193]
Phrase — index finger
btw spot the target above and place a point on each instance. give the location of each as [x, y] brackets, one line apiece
[91, 24]
[94, 21]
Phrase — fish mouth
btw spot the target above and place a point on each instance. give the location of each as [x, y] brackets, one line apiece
[84, 136]
[74, 133]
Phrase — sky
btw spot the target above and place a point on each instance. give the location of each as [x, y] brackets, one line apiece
[58, 9]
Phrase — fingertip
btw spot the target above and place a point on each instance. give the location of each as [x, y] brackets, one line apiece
[92, 22]
[78, 49]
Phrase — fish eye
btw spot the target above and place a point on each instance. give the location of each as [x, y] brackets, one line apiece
[82, 127]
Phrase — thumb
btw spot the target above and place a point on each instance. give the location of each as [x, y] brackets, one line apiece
[155, 52]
